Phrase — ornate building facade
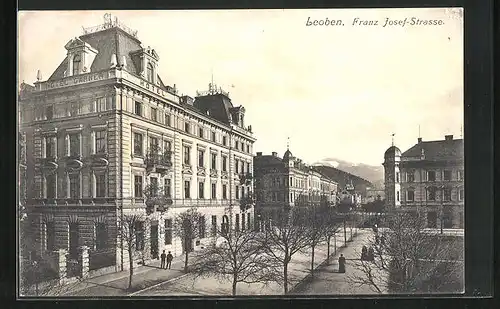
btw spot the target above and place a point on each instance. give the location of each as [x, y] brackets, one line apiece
[103, 127]
[288, 182]
[428, 178]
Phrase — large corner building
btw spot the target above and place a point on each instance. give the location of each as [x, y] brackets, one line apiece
[428, 178]
[104, 126]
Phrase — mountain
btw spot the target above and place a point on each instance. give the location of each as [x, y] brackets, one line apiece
[373, 174]
[344, 178]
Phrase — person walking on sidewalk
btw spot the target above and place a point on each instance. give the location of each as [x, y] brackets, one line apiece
[341, 264]
[170, 257]
[163, 257]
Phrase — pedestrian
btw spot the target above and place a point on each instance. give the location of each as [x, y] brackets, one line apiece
[371, 254]
[375, 228]
[341, 264]
[163, 258]
[170, 257]
[364, 251]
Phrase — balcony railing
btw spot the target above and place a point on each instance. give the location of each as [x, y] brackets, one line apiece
[157, 160]
[192, 202]
[70, 201]
[245, 178]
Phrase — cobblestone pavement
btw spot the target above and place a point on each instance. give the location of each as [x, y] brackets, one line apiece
[298, 269]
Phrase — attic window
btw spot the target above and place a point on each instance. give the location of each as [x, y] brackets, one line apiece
[150, 72]
[76, 64]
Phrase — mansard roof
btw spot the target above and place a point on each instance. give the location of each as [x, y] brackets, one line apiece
[438, 150]
[218, 105]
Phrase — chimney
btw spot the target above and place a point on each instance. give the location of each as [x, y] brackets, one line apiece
[259, 153]
[275, 154]
[419, 140]
[124, 62]
[448, 137]
[39, 75]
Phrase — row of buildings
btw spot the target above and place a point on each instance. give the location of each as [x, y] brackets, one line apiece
[103, 128]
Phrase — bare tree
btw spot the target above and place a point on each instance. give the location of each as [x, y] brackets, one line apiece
[132, 233]
[331, 229]
[316, 229]
[410, 259]
[187, 228]
[239, 258]
[287, 236]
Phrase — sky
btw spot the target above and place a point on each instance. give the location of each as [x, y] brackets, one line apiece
[334, 91]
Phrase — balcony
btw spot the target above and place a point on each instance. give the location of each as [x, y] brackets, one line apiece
[71, 201]
[246, 179]
[247, 202]
[159, 162]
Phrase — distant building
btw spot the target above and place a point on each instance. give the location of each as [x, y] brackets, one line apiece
[373, 195]
[289, 182]
[428, 178]
[103, 127]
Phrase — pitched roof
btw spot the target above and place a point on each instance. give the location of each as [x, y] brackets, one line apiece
[218, 105]
[437, 150]
[268, 160]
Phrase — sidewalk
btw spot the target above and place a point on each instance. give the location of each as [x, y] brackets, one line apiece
[299, 268]
[115, 284]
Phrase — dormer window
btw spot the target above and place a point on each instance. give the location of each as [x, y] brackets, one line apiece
[150, 72]
[76, 64]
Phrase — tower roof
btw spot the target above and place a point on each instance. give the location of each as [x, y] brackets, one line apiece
[288, 155]
[392, 152]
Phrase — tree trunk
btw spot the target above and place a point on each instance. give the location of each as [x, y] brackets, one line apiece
[312, 261]
[328, 250]
[186, 261]
[285, 277]
[345, 234]
[234, 284]
[131, 270]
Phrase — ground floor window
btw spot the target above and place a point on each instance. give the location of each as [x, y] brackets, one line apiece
[50, 236]
[168, 231]
[447, 219]
[214, 225]
[139, 236]
[432, 219]
[101, 236]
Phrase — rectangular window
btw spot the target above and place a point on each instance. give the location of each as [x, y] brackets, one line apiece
[101, 236]
[431, 196]
[167, 120]
[168, 188]
[447, 194]
[154, 114]
[49, 112]
[446, 175]
[100, 141]
[138, 144]
[224, 140]
[200, 132]
[213, 164]
[431, 176]
[237, 191]
[154, 186]
[242, 192]
[50, 147]
[186, 127]
[410, 177]
[237, 222]
[236, 165]
[248, 167]
[248, 221]
[214, 191]
[410, 196]
[461, 194]
[187, 157]
[201, 158]
[50, 181]
[201, 227]
[138, 108]
[50, 232]
[187, 189]
[224, 192]
[242, 168]
[74, 144]
[100, 104]
[243, 222]
[461, 175]
[139, 236]
[74, 109]
[214, 225]
[74, 186]
[213, 136]
[168, 231]
[224, 163]
[167, 146]
[100, 185]
[137, 186]
[153, 145]
[248, 148]
[201, 190]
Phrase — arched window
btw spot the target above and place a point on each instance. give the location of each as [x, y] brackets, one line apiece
[150, 72]
[76, 64]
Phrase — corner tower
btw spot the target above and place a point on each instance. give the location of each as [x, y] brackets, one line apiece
[392, 178]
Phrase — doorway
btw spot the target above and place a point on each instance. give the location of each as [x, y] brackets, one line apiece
[154, 240]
